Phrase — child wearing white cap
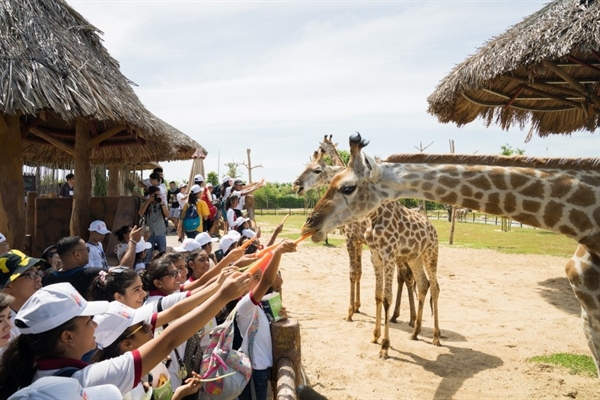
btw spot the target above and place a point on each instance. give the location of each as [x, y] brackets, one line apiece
[57, 330]
[4, 246]
[97, 258]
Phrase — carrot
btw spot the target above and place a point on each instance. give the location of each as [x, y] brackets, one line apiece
[266, 250]
[246, 244]
[284, 218]
[260, 264]
[303, 237]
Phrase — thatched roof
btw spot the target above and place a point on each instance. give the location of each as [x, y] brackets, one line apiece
[54, 69]
[543, 72]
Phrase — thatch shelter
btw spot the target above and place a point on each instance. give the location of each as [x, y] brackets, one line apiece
[64, 99]
[543, 73]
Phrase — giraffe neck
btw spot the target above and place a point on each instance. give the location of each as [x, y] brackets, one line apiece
[565, 201]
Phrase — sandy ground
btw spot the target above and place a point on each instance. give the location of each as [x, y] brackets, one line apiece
[496, 311]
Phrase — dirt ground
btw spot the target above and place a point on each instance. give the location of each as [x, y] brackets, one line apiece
[496, 311]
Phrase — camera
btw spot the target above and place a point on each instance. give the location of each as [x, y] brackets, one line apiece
[157, 199]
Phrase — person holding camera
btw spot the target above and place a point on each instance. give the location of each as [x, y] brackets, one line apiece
[155, 211]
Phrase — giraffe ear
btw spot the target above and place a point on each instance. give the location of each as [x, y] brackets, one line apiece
[375, 170]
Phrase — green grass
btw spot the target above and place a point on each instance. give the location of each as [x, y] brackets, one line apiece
[576, 364]
[466, 234]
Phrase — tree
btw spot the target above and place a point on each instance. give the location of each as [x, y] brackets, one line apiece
[213, 178]
[507, 150]
[232, 169]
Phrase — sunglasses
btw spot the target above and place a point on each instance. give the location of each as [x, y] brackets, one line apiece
[173, 274]
[32, 275]
[51, 254]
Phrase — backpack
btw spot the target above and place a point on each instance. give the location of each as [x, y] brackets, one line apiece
[191, 219]
[224, 370]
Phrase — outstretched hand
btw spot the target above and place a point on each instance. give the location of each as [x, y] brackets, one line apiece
[286, 246]
[235, 286]
[135, 234]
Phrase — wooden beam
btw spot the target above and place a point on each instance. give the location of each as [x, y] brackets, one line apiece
[119, 144]
[546, 96]
[502, 104]
[80, 214]
[547, 86]
[52, 140]
[584, 63]
[572, 81]
[106, 134]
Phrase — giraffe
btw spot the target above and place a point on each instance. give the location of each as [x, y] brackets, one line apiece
[561, 195]
[396, 236]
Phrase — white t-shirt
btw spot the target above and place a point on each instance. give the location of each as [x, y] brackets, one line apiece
[182, 199]
[124, 371]
[97, 256]
[262, 351]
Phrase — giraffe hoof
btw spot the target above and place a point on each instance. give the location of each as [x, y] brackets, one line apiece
[383, 354]
[414, 337]
[394, 320]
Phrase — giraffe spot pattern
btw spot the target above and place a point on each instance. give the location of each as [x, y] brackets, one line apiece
[531, 206]
[528, 219]
[581, 220]
[560, 187]
[583, 197]
[517, 180]
[498, 178]
[449, 182]
[466, 191]
[510, 203]
[482, 182]
[535, 190]
[552, 213]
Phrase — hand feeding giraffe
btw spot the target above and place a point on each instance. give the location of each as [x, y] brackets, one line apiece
[556, 194]
[396, 236]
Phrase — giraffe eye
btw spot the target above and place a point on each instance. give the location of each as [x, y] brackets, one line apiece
[346, 190]
[317, 171]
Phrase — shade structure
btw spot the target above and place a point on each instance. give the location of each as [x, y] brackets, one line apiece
[542, 74]
[64, 100]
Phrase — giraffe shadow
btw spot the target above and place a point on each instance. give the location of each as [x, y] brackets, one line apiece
[426, 335]
[558, 292]
[454, 368]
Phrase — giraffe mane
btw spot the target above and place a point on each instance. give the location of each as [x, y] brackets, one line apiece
[495, 160]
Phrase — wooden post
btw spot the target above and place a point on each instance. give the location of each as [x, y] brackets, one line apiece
[30, 219]
[113, 181]
[286, 380]
[286, 345]
[12, 189]
[82, 194]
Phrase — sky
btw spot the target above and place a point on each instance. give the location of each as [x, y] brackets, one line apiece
[275, 76]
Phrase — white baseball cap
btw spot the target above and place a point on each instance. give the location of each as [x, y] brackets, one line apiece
[204, 238]
[225, 179]
[52, 306]
[198, 178]
[187, 245]
[229, 239]
[142, 245]
[249, 233]
[61, 388]
[98, 226]
[240, 221]
[118, 317]
[2, 238]
[196, 189]
[182, 185]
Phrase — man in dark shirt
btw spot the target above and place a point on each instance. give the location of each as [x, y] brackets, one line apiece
[74, 254]
[66, 190]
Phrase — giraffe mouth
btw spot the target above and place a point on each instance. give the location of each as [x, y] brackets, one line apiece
[299, 190]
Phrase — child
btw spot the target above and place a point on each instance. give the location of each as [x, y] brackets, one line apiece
[262, 351]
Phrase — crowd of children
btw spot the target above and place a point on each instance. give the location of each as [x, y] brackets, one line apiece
[70, 320]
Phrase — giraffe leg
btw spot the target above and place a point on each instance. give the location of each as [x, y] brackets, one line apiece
[378, 267]
[388, 277]
[435, 293]
[354, 254]
[400, 279]
[422, 288]
[591, 329]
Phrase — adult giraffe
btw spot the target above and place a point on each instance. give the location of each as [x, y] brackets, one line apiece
[561, 195]
[396, 236]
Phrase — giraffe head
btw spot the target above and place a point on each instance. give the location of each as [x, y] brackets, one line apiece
[353, 194]
[316, 173]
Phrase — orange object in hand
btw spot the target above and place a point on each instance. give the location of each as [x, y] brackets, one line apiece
[303, 237]
[260, 263]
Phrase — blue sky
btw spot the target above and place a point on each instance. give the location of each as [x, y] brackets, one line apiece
[275, 76]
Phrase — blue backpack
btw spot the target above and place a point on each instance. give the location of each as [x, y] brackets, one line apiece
[191, 219]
